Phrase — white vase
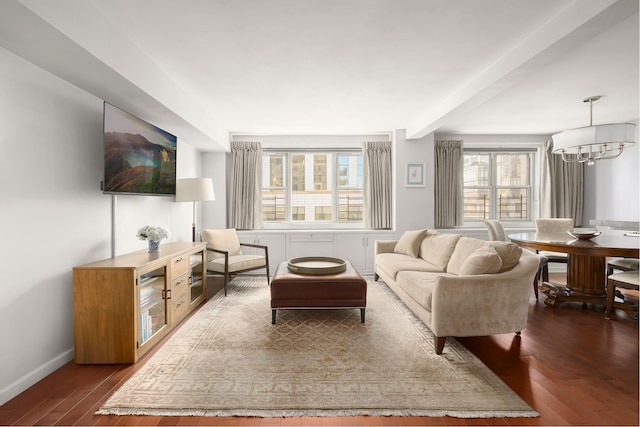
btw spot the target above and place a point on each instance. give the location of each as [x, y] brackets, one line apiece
[154, 245]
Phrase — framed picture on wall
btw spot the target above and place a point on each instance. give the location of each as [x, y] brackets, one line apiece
[414, 175]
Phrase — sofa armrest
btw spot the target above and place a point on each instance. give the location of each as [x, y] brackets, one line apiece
[384, 246]
[484, 304]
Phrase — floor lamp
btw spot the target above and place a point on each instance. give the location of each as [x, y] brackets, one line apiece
[194, 190]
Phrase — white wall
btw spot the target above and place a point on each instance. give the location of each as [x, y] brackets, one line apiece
[54, 216]
[612, 187]
[214, 166]
[414, 205]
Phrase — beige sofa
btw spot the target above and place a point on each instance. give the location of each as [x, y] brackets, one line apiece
[458, 286]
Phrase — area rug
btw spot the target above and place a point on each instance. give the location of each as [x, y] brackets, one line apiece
[229, 360]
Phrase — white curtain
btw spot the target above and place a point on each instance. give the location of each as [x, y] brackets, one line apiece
[449, 175]
[562, 187]
[377, 184]
[245, 189]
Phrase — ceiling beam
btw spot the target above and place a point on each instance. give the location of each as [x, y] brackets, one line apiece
[95, 56]
[487, 82]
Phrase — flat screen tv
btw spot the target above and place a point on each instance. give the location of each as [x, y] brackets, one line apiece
[139, 158]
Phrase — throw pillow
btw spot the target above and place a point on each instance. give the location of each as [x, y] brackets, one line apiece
[409, 242]
[463, 250]
[482, 261]
[509, 252]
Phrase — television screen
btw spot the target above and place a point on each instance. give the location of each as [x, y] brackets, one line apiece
[139, 158]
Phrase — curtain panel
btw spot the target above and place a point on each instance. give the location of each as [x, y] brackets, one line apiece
[245, 189]
[562, 187]
[377, 184]
[449, 176]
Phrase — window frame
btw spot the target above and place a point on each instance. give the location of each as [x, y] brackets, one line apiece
[332, 161]
[494, 188]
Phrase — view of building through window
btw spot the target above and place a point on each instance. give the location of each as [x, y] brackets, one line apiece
[497, 185]
[322, 187]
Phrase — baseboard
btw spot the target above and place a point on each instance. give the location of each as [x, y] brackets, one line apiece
[26, 381]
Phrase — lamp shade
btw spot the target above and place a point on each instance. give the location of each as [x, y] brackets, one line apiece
[194, 190]
[594, 138]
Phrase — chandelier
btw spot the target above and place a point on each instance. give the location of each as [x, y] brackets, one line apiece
[591, 143]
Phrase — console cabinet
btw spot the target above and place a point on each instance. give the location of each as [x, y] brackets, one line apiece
[355, 246]
[123, 306]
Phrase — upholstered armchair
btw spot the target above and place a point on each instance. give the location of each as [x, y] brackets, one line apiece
[225, 256]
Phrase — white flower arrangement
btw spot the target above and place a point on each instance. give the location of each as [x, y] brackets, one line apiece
[152, 233]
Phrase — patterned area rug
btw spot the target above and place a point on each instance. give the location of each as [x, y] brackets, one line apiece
[229, 360]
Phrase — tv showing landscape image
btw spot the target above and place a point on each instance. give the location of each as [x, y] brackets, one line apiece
[139, 158]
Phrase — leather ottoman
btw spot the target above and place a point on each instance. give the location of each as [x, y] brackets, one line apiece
[306, 291]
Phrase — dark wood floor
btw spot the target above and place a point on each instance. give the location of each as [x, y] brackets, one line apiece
[570, 364]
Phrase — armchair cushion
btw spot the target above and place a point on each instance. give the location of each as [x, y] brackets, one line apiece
[224, 240]
[236, 263]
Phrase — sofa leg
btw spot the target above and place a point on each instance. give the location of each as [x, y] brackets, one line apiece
[440, 344]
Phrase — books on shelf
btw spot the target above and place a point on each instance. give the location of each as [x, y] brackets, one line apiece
[146, 295]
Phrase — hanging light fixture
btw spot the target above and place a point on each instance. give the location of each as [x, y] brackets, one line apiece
[591, 143]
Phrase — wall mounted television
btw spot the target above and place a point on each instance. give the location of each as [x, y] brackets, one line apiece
[139, 158]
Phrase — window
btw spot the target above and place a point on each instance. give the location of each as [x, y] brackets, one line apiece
[350, 187]
[274, 196]
[497, 185]
[324, 187]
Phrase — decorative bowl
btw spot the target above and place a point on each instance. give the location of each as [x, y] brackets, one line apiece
[584, 233]
[317, 265]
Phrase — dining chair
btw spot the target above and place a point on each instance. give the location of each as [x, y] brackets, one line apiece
[496, 232]
[622, 264]
[624, 280]
[550, 226]
[225, 257]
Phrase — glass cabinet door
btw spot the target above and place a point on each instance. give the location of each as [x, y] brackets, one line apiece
[153, 308]
[196, 272]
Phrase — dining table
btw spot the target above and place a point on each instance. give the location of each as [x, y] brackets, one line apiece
[586, 261]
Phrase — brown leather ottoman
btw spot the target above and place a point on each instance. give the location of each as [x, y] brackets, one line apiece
[303, 291]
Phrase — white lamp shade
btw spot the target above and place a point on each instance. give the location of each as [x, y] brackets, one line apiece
[612, 135]
[194, 190]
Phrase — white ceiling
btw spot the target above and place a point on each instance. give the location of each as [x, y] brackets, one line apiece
[206, 68]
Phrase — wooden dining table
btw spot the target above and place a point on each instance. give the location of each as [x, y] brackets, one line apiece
[586, 262]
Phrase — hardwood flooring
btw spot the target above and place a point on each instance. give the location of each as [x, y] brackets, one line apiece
[570, 364]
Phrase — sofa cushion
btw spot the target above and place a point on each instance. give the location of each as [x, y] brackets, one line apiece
[484, 260]
[437, 248]
[419, 285]
[392, 263]
[510, 254]
[409, 242]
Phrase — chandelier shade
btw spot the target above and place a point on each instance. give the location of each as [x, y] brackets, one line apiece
[591, 143]
[594, 142]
